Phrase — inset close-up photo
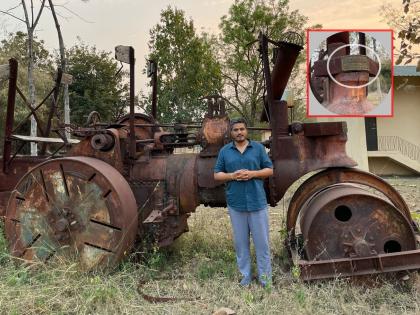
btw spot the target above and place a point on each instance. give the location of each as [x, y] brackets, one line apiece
[349, 73]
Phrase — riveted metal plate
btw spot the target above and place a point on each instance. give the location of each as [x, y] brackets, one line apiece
[355, 63]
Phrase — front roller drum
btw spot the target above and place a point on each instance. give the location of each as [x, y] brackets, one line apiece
[77, 208]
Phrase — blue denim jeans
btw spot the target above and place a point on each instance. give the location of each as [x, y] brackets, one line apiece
[253, 223]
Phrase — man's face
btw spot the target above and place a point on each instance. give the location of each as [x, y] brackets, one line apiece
[239, 132]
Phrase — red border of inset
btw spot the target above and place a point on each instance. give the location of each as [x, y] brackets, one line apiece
[349, 30]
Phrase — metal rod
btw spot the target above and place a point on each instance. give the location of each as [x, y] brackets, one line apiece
[263, 48]
[181, 144]
[33, 111]
[11, 99]
[52, 109]
[282, 70]
[145, 141]
[186, 126]
[362, 41]
[154, 90]
[59, 148]
[132, 147]
[17, 152]
[362, 51]
[191, 126]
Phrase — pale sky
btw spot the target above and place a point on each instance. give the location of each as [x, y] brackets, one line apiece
[127, 22]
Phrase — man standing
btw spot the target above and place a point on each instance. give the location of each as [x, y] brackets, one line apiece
[243, 164]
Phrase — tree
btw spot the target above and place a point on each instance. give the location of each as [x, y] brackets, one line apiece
[242, 69]
[96, 87]
[407, 26]
[15, 46]
[31, 21]
[63, 64]
[187, 68]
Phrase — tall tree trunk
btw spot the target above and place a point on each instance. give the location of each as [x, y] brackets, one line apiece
[30, 26]
[31, 87]
[63, 62]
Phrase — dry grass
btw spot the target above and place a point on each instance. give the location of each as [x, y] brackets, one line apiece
[200, 266]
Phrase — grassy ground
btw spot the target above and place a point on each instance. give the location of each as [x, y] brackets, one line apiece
[200, 269]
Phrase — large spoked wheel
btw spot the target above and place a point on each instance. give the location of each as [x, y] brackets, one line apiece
[77, 208]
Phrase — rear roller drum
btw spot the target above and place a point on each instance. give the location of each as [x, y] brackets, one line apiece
[333, 176]
[72, 208]
[348, 231]
[344, 221]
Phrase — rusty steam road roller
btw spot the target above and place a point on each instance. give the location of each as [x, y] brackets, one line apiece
[117, 184]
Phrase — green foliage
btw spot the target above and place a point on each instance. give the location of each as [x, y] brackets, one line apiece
[14, 46]
[187, 68]
[406, 24]
[268, 287]
[295, 272]
[60, 288]
[410, 34]
[300, 296]
[242, 69]
[155, 259]
[210, 268]
[248, 297]
[95, 86]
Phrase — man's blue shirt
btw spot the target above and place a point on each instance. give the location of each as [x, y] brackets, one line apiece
[246, 195]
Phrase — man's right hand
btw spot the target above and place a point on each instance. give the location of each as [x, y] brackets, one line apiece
[240, 175]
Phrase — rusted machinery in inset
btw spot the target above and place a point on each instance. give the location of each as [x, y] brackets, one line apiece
[340, 81]
[122, 184]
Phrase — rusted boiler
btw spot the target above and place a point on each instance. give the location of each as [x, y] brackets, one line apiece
[121, 184]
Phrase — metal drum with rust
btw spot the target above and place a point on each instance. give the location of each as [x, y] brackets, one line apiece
[77, 208]
[346, 221]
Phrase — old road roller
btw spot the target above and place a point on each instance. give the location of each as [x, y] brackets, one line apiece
[95, 197]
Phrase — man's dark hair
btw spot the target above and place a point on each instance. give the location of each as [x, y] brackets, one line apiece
[238, 121]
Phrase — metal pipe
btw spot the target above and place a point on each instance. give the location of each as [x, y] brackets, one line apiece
[362, 41]
[53, 108]
[287, 54]
[33, 111]
[286, 58]
[11, 98]
[154, 90]
[343, 38]
[132, 145]
[145, 141]
[280, 119]
[190, 126]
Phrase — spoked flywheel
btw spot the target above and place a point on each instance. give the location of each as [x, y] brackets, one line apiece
[77, 208]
